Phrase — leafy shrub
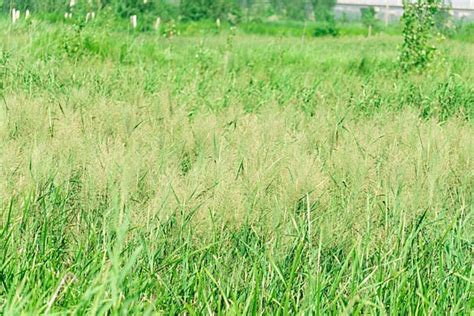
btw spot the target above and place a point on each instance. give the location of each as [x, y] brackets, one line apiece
[279, 28]
[418, 25]
[196, 10]
[368, 16]
[464, 32]
[323, 9]
[443, 22]
[326, 28]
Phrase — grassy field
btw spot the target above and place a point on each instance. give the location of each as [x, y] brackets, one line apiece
[232, 174]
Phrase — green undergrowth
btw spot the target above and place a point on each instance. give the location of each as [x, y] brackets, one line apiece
[225, 173]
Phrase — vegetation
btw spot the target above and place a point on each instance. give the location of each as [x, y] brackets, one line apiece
[418, 26]
[368, 18]
[219, 172]
[188, 9]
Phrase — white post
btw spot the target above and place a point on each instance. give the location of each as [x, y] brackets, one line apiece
[15, 15]
[157, 24]
[133, 21]
[27, 14]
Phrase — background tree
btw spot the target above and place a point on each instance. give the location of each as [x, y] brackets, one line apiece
[323, 9]
[208, 9]
[418, 27]
[368, 18]
[188, 9]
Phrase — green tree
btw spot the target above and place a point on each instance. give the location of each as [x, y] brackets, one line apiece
[208, 9]
[418, 26]
[368, 18]
[323, 9]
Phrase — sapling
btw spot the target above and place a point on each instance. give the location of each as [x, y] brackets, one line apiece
[418, 27]
[368, 19]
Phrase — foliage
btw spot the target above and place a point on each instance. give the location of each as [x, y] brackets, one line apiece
[327, 27]
[208, 9]
[464, 32]
[188, 9]
[40, 6]
[443, 22]
[231, 174]
[323, 9]
[418, 27]
[368, 17]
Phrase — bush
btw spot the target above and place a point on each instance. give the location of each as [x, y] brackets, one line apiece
[323, 9]
[464, 32]
[368, 16]
[418, 25]
[326, 28]
[279, 28]
[196, 10]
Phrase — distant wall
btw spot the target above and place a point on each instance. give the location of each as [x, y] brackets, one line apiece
[392, 10]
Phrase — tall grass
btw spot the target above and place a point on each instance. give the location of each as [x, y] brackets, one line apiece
[231, 174]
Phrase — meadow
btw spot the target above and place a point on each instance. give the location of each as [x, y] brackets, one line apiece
[230, 173]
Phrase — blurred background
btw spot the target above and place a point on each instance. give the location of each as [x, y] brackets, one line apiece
[389, 10]
[307, 18]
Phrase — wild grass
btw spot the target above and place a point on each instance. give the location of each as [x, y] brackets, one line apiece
[232, 174]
